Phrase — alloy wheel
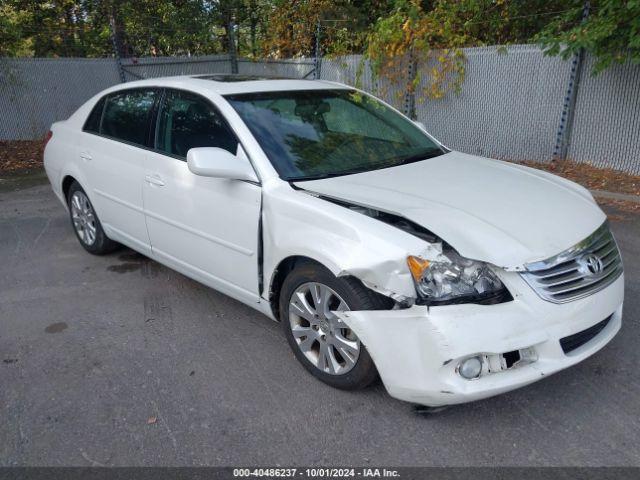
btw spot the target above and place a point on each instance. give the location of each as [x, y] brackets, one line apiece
[84, 218]
[327, 342]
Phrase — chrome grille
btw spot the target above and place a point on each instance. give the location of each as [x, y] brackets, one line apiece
[581, 270]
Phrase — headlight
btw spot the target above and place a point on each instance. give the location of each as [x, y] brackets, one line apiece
[459, 281]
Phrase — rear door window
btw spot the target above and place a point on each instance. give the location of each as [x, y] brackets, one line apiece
[186, 121]
[126, 115]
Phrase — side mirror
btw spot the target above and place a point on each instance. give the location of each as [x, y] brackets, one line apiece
[219, 163]
[420, 125]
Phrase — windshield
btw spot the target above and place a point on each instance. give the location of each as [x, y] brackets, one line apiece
[323, 133]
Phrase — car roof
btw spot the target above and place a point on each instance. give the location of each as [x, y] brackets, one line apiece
[226, 84]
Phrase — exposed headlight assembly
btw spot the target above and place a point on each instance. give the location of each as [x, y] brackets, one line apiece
[458, 281]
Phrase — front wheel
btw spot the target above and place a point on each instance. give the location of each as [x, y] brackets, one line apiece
[325, 345]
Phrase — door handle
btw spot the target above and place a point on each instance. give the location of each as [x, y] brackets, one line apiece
[154, 180]
[86, 156]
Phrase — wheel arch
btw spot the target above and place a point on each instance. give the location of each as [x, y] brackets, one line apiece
[67, 181]
[279, 274]
[347, 243]
[72, 171]
[72, 174]
[286, 265]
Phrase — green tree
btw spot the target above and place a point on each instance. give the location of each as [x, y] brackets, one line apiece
[344, 24]
[611, 32]
[287, 28]
[495, 22]
[164, 27]
[84, 27]
[430, 35]
[412, 39]
[13, 41]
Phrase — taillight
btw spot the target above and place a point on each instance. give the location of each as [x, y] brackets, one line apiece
[47, 137]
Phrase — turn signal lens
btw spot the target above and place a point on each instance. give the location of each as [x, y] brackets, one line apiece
[417, 266]
[452, 277]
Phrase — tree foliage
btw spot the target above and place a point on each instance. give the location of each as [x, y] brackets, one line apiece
[410, 38]
[12, 37]
[293, 26]
[611, 32]
[411, 30]
[142, 27]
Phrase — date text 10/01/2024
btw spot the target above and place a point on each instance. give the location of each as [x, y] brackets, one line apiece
[316, 472]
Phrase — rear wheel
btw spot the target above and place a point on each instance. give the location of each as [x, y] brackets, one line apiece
[86, 224]
[325, 345]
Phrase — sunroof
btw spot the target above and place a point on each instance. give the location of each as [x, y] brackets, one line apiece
[221, 77]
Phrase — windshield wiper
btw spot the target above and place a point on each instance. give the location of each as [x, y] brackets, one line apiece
[321, 176]
[436, 152]
[411, 159]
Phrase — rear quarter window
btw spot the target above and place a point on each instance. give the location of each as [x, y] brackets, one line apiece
[92, 124]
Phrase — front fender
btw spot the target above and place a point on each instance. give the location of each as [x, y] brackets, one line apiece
[346, 242]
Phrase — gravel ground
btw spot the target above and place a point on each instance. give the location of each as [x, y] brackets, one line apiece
[118, 360]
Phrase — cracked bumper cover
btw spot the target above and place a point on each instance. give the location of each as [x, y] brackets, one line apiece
[416, 350]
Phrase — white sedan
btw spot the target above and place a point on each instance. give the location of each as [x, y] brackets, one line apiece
[380, 251]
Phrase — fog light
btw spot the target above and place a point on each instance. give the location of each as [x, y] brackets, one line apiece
[470, 368]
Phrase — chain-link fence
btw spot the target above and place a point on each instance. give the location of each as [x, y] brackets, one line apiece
[35, 92]
[510, 105]
[139, 68]
[296, 68]
[606, 125]
[514, 102]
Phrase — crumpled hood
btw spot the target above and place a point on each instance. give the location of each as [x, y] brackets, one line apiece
[488, 210]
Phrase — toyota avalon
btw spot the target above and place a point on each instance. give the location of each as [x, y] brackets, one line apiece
[379, 250]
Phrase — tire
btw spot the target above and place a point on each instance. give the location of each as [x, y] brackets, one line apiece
[86, 224]
[319, 340]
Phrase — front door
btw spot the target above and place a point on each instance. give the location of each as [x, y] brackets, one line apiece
[206, 228]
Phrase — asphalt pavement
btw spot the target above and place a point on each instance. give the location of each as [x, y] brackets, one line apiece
[118, 360]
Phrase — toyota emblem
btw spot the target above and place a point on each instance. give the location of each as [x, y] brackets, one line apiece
[591, 264]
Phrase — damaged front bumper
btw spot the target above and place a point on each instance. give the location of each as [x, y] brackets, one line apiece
[417, 350]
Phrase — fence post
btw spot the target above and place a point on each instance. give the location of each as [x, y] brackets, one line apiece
[116, 49]
[563, 137]
[409, 105]
[233, 54]
[317, 56]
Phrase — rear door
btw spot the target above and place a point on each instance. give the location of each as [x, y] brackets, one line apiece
[205, 227]
[113, 152]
